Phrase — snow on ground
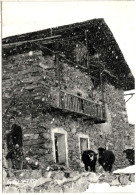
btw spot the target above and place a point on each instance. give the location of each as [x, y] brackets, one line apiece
[130, 169]
[105, 187]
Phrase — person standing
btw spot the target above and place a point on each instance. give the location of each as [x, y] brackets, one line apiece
[14, 145]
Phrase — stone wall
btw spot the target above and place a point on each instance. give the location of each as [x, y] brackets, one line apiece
[27, 80]
[131, 136]
[75, 81]
[56, 182]
[116, 105]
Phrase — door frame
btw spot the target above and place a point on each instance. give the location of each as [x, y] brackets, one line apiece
[84, 136]
[63, 132]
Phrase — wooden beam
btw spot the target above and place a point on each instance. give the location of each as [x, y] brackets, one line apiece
[58, 69]
[52, 38]
[43, 47]
[35, 40]
[57, 62]
[129, 94]
[130, 97]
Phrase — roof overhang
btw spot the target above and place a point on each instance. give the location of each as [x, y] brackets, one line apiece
[100, 36]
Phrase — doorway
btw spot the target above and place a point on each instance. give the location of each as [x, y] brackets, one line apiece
[60, 146]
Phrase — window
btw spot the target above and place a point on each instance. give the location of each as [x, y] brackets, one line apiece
[84, 144]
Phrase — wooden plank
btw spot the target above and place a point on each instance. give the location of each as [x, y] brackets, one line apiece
[76, 104]
[34, 40]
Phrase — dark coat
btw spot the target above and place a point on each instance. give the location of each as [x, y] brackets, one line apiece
[15, 136]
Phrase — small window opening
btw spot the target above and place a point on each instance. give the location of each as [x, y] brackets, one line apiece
[83, 144]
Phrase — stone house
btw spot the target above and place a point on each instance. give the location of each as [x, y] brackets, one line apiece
[65, 86]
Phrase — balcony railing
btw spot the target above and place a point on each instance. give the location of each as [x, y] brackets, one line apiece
[76, 104]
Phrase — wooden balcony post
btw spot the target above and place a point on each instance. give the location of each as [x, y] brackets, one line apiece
[58, 73]
[102, 91]
[58, 68]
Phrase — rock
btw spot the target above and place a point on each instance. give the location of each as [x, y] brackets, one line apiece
[54, 187]
[81, 184]
[10, 173]
[28, 174]
[29, 189]
[93, 177]
[132, 177]
[43, 188]
[115, 182]
[10, 189]
[109, 177]
[67, 187]
[47, 174]
[57, 175]
[124, 180]
[44, 135]
[54, 167]
[22, 189]
[31, 136]
[101, 178]
[74, 174]
[42, 181]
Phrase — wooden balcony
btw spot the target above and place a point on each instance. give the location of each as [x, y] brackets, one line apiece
[77, 105]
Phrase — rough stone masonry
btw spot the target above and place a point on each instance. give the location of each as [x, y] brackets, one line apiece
[30, 86]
